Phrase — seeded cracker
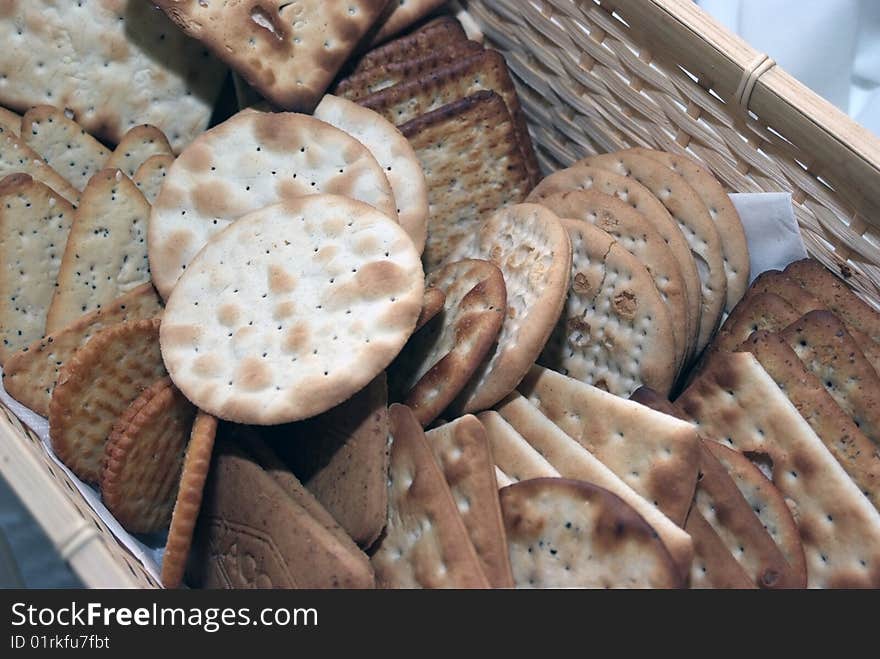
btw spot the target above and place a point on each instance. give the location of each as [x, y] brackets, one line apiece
[16, 157]
[151, 175]
[137, 146]
[442, 30]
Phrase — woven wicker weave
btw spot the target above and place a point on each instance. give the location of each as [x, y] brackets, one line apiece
[596, 77]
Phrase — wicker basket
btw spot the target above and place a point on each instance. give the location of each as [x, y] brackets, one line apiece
[596, 77]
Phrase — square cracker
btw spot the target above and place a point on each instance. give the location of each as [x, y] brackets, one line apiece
[64, 144]
[106, 253]
[734, 401]
[16, 157]
[29, 375]
[473, 166]
[444, 30]
[288, 51]
[655, 454]
[462, 451]
[514, 456]
[114, 64]
[426, 544]
[34, 223]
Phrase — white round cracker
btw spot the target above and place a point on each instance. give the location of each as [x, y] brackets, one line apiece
[250, 161]
[393, 152]
[291, 310]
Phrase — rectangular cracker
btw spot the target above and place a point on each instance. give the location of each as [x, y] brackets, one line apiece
[513, 455]
[714, 566]
[656, 454]
[10, 121]
[462, 451]
[16, 157]
[64, 144]
[34, 223]
[151, 175]
[142, 68]
[485, 70]
[106, 253]
[734, 401]
[29, 375]
[444, 30]
[572, 460]
[823, 345]
[426, 544]
[472, 167]
[136, 146]
[341, 456]
[401, 14]
[756, 311]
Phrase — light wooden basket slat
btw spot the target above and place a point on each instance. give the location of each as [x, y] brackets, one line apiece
[597, 76]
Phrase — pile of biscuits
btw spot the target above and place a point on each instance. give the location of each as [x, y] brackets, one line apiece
[361, 344]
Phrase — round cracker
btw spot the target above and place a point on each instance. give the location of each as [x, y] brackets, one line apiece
[393, 152]
[292, 309]
[734, 247]
[196, 464]
[143, 460]
[531, 248]
[250, 161]
[639, 237]
[439, 360]
[692, 216]
[640, 198]
[615, 332]
[432, 304]
[565, 533]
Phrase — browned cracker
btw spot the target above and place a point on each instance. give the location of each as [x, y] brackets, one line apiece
[196, 463]
[485, 70]
[400, 14]
[95, 386]
[714, 566]
[462, 452]
[341, 456]
[573, 534]
[438, 361]
[822, 343]
[655, 454]
[34, 224]
[29, 375]
[735, 402]
[10, 121]
[252, 534]
[775, 281]
[143, 459]
[425, 40]
[150, 176]
[473, 166]
[513, 455]
[16, 157]
[106, 251]
[138, 145]
[432, 304]
[426, 544]
[64, 144]
[289, 52]
[756, 311]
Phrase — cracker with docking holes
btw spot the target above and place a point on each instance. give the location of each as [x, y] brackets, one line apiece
[341, 456]
[755, 312]
[734, 248]
[566, 533]
[10, 121]
[462, 451]
[443, 30]
[400, 14]
[572, 460]
[531, 247]
[250, 161]
[849, 445]
[150, 176]
[472, 165]
[692, 217]
[106, 251]
[513, 455]
[484, 70]
[426, 543]
[143, 460]
[96, 386]
[252, 534]
[638, 237]
[137, 146]
[196, 463]
[735, 402]
[654, 212]
[439, 360]
[393, 153]
[63, 144]
[291, 310]
[29, 375]
[16, 157]
[289, 52]
[823, 345]
[34, 224]
[655, 454]
[614, 332]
